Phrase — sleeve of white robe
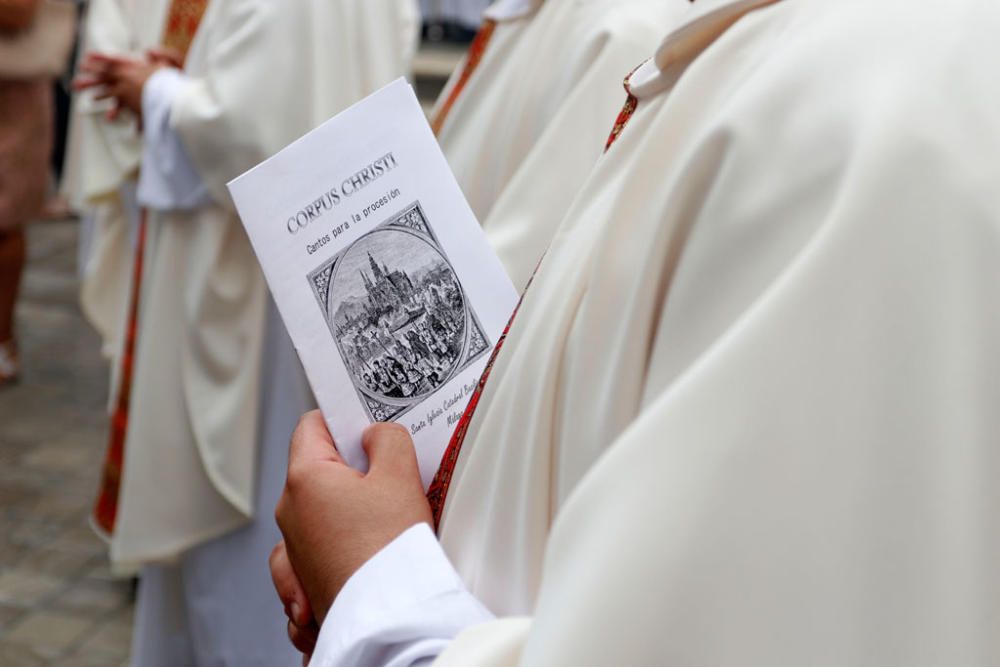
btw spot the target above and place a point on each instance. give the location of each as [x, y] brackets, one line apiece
[401, 609]
[168, 179]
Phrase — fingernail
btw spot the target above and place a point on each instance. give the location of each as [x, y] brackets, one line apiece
[296, 610]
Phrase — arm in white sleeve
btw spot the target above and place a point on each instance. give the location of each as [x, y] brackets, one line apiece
[168, 179]
[401, 609]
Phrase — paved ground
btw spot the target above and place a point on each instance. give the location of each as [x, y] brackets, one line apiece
[58, 603]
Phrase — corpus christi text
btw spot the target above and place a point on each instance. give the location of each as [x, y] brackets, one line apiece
[333, 196]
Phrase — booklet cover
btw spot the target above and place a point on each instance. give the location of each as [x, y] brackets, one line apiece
[392, 295]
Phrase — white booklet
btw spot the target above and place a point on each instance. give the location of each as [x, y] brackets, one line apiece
[392, 295]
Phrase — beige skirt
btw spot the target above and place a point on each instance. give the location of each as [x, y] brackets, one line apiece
[25, 146]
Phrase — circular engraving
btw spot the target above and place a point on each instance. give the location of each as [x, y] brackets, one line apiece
[399, 316]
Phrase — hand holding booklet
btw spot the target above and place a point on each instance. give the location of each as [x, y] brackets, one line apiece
[386, 283]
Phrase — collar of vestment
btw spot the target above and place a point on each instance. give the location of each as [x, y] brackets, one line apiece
[511, 10]
[706, 22]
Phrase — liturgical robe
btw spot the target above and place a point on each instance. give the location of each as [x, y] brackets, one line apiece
[216, 386]
[465, 99]
[259, 75]
[746, 414]
[531, 121]
[101, 166]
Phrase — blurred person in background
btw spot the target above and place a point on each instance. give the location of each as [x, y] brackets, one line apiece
[217, 387]
[102, 168]
[525, 117]
[35, 38]
[57, 205]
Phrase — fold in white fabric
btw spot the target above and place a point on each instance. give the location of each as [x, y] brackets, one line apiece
[178, 602]
[169, 180]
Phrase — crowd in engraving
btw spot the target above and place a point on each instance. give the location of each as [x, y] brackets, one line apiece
[407, 335]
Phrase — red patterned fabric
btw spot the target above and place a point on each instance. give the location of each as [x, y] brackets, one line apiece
[182, 24]
[106, 508]
[476, 51]
[437, 494]
[631, 104]
[625, 115]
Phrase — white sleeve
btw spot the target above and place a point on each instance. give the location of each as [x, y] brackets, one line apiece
[168, 179]
[401, 609]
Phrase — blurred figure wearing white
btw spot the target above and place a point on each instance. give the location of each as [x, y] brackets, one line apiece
[217, 386]
[525, 118]
[102, 168]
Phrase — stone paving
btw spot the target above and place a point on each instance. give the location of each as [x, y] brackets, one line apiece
[59, 604]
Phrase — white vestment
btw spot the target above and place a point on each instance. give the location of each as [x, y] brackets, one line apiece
[747, 412]
[101, 164]
[216, 605]
[535, 115]
[463, 133]
[260, 74]
[217, 388]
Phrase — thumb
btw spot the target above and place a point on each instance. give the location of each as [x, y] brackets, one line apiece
[390, 451]
[312, 441]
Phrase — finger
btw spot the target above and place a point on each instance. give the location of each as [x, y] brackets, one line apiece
[101, 65]
[92, 65]
[289, 588]
[115, 111]
[83, 83]
[390, 451]
[312, 442]
[106, 60]
[165, 55]
[303, 639]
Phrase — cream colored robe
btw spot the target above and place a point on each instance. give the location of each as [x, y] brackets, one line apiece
[103, 157]
[263, 73]
[533, 119]
[747, 414]
[590, 46]
[465, 133]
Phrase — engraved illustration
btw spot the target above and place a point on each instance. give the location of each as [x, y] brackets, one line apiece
[398, 314]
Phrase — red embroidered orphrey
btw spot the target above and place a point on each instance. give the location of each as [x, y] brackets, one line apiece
[438, 491]
[437, 494]
[106, 507]
[182, 24]
[625, 115]
[472, 60]
[183, 20]
[631, 104]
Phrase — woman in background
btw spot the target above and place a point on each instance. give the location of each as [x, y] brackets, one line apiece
[25, 144]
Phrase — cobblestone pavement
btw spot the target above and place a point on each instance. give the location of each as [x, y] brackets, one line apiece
[59, 604]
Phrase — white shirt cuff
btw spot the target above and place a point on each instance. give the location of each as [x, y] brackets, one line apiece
[401, 609]
[168, 180]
